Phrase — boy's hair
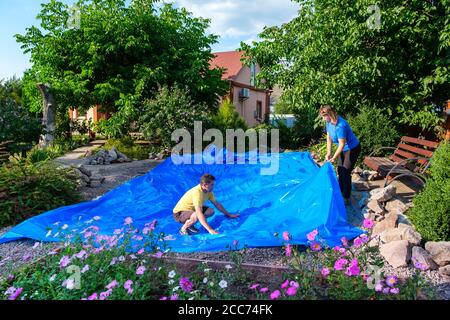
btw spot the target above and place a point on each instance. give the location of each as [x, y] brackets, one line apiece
[207, 178]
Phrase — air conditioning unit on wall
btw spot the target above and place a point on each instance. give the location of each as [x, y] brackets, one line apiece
[244, 93]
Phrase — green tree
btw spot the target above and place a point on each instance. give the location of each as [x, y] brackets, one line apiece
[118, 54]
[227, 117]
[330, 54]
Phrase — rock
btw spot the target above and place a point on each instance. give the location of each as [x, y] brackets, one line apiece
[152, 155]
[94, 162]
[396, 253]
[389, 222]
[402, 219]
[356, 178]
[396, 234]
[122, 156]
[445, 271]
[357, 170]
[423, 257]
[396, 206]
[375, 207]
[160, 156]
[370, 215]
[112, 154]
[361, 185]
[95, 183]
[440, 252]
[84, 170]
[97, 177]
[383, 194]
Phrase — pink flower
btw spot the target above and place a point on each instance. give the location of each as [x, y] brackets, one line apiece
[357, 242]
[96, 218]
[285, 284]
[174, 297]
[140, 270]
[291, 291]
[378, 287]
[158, 255]
[344, 241]
[93, 296]
[336, 248]
[163, 298]
[128, 221]
[395, 291]
[112, 285]
[263, 290]
[105, 295]
[325, 271]
[294, 284]
[275, 295]
[288, 250]
[146, 230]
[186, 285]
[81, 254]
[339, 264]
[15, 294]
[368, 223]
[235, 243]
[286, 236]
[85, 269]
[254, 286]
[127, 285]
[64, 262]
[353, 271]
[391, 281]
[141, 251]
[312, 235]
[315, 246]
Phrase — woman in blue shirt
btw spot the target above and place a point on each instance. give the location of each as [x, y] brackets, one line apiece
[340, 133]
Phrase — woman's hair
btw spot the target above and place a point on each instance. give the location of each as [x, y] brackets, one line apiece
[328, 110]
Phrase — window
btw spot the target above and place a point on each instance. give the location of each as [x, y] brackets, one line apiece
[253, 74]
[259, 110]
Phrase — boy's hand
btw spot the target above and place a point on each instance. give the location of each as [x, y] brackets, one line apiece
[213, 232]
[232, 216]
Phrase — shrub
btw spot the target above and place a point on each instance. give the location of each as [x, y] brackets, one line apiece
[170, 110]
[29, 189]
[17, 124]
[128, 146]
[431, 211]
[374, 129]
[227, 117]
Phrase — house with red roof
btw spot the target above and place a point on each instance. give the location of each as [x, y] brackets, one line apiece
[252, 103]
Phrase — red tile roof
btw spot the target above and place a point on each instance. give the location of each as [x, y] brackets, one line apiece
[230, 60]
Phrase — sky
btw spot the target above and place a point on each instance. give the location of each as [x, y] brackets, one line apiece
[233, 20]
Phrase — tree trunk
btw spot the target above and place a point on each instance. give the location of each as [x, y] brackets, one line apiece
[49, 118]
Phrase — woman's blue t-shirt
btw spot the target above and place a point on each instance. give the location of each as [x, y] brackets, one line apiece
[342, 130]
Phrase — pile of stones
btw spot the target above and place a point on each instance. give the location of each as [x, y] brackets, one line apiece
[160, 156]
[86, 178]
[105, 157]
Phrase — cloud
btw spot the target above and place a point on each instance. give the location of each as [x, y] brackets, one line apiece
[241, 20]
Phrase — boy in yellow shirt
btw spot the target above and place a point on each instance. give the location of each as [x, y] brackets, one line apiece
[190, 208]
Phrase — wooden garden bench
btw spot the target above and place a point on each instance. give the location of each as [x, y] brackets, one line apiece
[410, 158]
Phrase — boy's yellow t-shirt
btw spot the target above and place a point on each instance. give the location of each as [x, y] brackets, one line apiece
[193, 197]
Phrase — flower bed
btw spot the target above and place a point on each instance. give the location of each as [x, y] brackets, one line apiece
[130, 265]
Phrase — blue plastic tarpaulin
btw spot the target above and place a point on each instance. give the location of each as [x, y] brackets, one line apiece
[299, 198]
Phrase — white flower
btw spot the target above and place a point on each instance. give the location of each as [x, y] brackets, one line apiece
[69, 284]
[223, 284]
[191, 298]
[211, 284]
[96, 218]
[64, 227]
[207, 270]
[85, 269]
[49, 233]
[172, 274]
[228, 267]
[176, 289]
[36, 244]
[171, 282]
[52, 278]
[205, 280]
